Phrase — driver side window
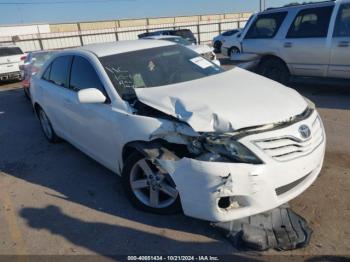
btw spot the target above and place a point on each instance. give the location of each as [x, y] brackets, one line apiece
[84, 76]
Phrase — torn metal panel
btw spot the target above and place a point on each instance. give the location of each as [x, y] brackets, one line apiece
[280, 228]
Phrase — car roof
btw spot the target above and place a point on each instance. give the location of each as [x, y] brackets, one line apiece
[159, 37]
[298, 6]
[106, 49]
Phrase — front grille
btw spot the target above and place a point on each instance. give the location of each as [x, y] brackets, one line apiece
[287, 148]
[284, 189]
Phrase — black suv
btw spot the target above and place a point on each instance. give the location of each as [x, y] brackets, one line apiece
[184, 33]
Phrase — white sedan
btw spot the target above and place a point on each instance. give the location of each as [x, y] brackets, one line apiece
[182, 133]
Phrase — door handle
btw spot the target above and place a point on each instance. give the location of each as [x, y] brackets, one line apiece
[343, 44]
[288, 44]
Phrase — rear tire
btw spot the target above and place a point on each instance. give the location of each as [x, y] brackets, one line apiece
[46, 126]
[27, 93]
[139, 187]
[275, 69]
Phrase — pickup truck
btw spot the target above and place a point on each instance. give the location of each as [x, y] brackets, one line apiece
[11, 57]
[306, 40]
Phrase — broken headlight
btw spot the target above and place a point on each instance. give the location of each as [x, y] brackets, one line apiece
[222, 148]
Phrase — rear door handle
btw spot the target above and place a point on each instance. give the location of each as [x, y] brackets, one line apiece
[343, 44]
[288, 45]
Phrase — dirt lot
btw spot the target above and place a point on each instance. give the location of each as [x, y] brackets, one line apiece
[55, 200]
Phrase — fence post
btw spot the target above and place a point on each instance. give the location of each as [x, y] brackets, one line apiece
[80, 36]
[147, 25]
[116, 31]
[199, 33]
[40, 42]
[220, 28]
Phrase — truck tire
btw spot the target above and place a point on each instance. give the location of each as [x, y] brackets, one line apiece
[275, 69]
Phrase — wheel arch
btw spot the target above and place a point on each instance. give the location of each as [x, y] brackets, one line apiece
[154, 149]
[271, 56]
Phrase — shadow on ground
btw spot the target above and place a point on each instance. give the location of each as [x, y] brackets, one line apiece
[102, 236]
[69, 175]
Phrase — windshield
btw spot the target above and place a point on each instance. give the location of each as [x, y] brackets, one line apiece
[41, 58]
[159, 66]
[8, 51]
[178, 40]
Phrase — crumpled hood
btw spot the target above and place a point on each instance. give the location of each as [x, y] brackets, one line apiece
[225, 102]
[201, 49]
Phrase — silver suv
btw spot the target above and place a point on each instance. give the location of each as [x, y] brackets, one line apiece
[310, 40]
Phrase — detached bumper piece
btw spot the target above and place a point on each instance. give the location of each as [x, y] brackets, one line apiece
[280, 229]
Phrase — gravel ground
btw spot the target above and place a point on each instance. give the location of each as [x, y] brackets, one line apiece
[55, 200]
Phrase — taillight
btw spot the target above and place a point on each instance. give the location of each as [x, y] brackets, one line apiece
[23, 58]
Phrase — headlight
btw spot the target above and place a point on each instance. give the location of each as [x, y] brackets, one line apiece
[223, 148]
[309, 103]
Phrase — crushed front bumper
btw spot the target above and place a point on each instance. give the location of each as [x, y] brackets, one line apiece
[247, 61]
[252, 188]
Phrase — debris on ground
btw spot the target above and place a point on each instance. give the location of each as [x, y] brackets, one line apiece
[280, 229]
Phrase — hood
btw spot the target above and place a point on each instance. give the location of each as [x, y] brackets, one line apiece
[200, 49]
[226, 102]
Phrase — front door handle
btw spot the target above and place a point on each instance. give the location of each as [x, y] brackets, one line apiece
[343, 44]
[288, 44]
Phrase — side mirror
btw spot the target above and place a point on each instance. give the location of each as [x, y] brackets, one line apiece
[91, 96]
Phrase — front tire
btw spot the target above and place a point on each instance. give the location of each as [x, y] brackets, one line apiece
[46, 126]
[147, 188]
[275, 69]
[217, 47]
[233, 50]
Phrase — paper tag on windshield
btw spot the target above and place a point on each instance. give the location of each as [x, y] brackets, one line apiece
[201, 62]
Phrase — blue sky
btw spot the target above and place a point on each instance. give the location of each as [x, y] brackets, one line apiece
[80, 10]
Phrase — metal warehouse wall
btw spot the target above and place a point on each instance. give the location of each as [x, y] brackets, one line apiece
[65, 35]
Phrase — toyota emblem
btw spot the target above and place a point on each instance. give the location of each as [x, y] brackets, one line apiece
[304, 131]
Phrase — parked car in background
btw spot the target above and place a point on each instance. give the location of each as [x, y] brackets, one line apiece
[204, 50]
[32, 64]
[308, 40]
[11, 58]
[184, 33]
[182, 132]
[219, 40]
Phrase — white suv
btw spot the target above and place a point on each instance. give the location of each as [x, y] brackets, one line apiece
[311, 40]
[10, 59]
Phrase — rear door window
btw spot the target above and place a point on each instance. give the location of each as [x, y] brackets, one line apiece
[311, 23]
[342, 25]
[266, 25]
[8, 51]
[60, 70]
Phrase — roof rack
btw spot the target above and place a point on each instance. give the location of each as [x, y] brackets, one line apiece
[298, 5]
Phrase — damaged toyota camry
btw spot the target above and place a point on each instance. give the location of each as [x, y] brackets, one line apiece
[183, 133]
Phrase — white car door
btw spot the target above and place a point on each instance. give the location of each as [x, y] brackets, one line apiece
[55, 95]
[340, 51]
[92, 126]
[305, 48]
